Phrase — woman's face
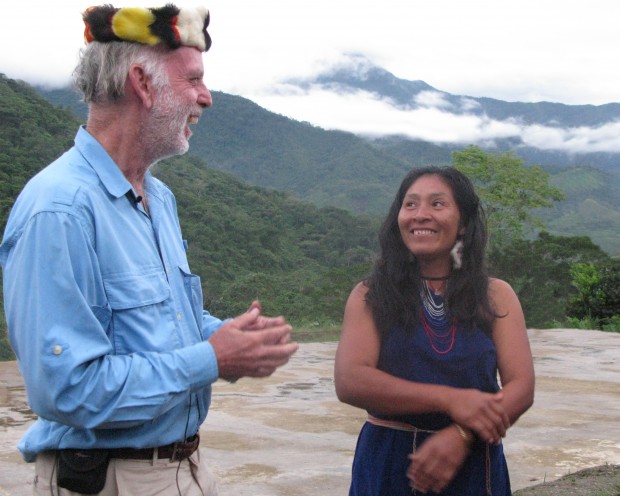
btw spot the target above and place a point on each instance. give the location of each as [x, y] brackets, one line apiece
[429, 220]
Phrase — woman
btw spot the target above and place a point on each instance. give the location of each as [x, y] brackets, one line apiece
[423, 339]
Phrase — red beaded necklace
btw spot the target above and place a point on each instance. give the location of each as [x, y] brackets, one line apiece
[441, 339]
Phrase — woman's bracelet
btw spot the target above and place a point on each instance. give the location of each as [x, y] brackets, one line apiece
[466, 435]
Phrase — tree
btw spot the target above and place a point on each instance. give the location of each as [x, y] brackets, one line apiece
[598, 292]
[508, 191]
[540, 273]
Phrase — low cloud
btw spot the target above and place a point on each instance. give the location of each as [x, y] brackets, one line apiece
[432, 119]
[605, 138]
[432, 99]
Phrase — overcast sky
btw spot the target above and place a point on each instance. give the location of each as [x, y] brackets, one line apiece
[519, 50]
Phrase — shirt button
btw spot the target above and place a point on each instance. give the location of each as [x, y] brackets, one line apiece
[57, 350]
[179, 317]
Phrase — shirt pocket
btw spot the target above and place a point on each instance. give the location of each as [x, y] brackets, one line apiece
[193, 291]
[126, 291]
[142, 317]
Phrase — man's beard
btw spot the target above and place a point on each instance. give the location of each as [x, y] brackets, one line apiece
[164, 134]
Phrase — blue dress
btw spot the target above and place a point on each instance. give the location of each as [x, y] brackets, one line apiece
[381, 456]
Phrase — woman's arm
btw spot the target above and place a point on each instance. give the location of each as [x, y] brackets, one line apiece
[514, 356]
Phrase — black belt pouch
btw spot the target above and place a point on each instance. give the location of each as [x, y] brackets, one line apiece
[82, 471]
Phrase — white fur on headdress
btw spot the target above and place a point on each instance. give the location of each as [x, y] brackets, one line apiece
[191, 26]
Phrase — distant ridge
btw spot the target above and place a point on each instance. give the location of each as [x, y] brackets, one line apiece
[336, 168]
[358, 73]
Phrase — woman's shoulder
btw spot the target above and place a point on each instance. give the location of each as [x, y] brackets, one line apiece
[501, 292]
[495, 283]
[359, 292]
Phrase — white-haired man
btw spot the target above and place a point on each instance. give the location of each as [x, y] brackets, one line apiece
[104, 314]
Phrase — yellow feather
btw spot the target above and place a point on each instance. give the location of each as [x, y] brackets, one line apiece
[132, 24]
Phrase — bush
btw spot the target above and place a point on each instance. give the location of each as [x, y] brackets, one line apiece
[598, 298]
[612, 324]
[585, 323]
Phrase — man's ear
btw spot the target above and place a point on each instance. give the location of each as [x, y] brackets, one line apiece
[141, 84]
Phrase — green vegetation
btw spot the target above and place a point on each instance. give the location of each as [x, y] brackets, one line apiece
[597, 300]
[556, 266]
[591, 206]
[539, 270]
[508, 190]
[333, 168]
[245, 242]
[32, 134]
[301, 259]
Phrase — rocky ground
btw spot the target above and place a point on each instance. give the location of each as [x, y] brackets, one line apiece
[597, 481]
[288, 435]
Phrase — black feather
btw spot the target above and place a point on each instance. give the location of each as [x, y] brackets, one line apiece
[99, 22]
[162, 26]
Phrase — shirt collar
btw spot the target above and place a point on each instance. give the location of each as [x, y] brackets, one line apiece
[106, 169]
[109, 173]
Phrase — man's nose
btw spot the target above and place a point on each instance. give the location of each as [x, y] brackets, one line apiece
[204, 98]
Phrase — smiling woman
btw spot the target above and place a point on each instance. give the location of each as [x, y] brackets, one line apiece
[423, 340]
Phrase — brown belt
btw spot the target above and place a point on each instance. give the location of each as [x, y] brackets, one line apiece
[175, 452]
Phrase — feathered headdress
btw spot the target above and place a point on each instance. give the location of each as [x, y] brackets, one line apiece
[170, 25]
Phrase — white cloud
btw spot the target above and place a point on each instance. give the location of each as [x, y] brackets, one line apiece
[363, 113]
[527, 50]
[432, 99]
[513, 51]
[576, 140]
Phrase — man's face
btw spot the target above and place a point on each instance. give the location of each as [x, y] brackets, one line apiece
[177, 104]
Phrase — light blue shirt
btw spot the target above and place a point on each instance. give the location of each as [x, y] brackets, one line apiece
[104, 315]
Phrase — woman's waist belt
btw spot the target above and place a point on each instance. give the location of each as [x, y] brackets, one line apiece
[396, 425]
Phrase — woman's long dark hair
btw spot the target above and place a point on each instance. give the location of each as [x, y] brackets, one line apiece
[394, 286]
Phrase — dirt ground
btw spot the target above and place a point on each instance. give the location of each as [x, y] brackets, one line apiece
[598, 481]
[288, 435]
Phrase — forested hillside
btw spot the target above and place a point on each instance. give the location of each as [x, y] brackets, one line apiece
[32, 133]
[246, 242]
[591, 207]
[343, 170]
[300, 259]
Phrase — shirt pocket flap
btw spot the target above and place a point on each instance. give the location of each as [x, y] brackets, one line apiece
[135, 290]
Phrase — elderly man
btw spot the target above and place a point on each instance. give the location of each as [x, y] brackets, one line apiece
[106, 319]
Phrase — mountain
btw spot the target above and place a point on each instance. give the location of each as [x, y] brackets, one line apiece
[245, 241]
[332, 168]
[544, 133]
[591, 208]
[301, 260]
[357, 72]
[340, 169]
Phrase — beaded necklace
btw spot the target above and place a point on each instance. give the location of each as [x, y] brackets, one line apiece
[439, 329]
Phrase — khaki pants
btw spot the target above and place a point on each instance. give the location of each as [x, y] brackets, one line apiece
[190, 477]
